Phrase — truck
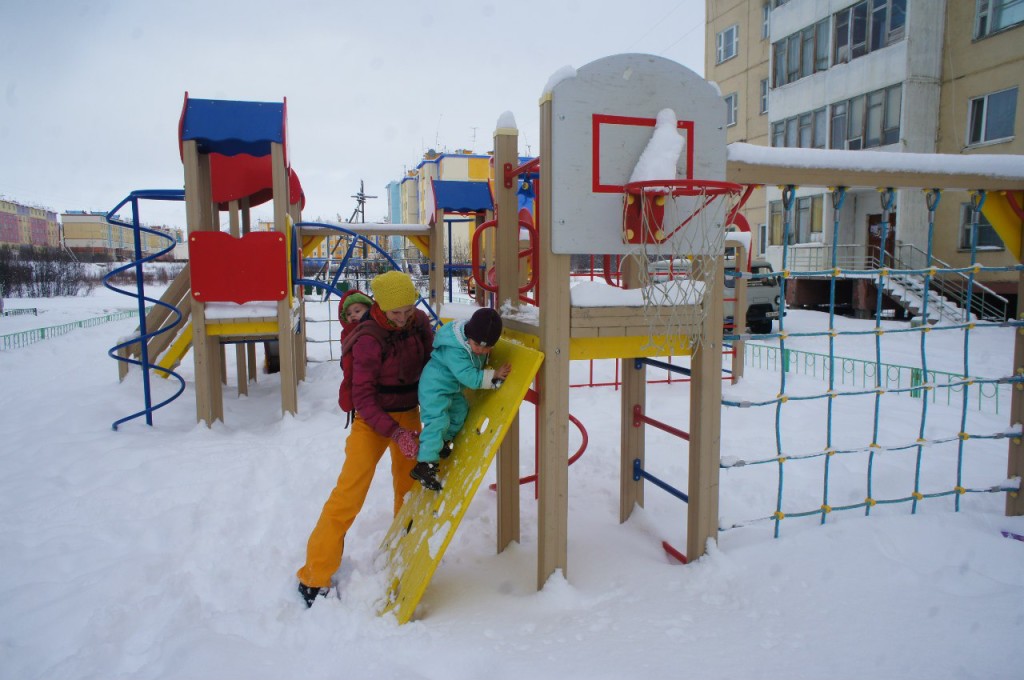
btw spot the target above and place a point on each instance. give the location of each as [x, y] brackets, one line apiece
[762, 293]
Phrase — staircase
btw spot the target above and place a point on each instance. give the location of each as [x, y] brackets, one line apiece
[909, 266]
[948, 294]
[907, 290]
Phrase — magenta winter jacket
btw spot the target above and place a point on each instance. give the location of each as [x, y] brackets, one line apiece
[386, 369]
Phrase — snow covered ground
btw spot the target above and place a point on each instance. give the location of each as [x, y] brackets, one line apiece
[170, 552]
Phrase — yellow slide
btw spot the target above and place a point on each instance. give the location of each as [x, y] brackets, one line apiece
[1004, 219]
[421, 532]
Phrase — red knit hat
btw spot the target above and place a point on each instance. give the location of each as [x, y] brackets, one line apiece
[484, 327]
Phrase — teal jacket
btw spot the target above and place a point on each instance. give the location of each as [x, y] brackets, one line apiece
[453, 365]
[443, 408]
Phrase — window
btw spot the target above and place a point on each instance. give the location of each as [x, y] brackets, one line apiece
[728, 41]
[806, 131]
[779, 134]
[807, 219]
[992, 16]
[990, 118]
[762, 239]
[766, 14]
[775, 220]
[731, 106]
[801, 54]
[867, 26]
[764, 95]
[867, 121]
[988, 239]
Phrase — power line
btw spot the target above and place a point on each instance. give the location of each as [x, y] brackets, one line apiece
[656, 24]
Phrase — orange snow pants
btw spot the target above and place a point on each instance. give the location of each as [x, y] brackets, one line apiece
[363, 450]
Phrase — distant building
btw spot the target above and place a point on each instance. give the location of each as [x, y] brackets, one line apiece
[93, 239]
[416, 200]
[24, 225]
[846, 74]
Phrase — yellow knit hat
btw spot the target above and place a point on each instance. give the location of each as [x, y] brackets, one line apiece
[394, 289]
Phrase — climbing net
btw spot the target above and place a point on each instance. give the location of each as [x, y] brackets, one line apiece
[854, 463]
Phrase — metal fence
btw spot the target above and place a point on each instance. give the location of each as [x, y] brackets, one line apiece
[25, 338]
[987, 396]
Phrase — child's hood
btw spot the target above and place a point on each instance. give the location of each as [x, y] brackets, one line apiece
[345, 324]
[452, 334]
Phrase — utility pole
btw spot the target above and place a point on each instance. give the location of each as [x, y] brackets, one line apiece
[360, 211]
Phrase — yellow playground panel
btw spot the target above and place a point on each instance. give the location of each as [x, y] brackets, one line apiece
[416, 541]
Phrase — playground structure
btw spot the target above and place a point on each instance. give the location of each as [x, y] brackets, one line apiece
[594, 125]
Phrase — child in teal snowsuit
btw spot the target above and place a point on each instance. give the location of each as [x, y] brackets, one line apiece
[458, 361]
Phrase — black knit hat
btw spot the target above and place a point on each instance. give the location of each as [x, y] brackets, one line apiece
[484, 327]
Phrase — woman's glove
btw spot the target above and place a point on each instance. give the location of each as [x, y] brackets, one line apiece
[408, 441]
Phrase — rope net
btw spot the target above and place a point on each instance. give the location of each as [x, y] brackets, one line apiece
[910, 452]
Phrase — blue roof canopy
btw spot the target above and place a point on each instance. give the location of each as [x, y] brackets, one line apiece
[232, 127]
[459, 196]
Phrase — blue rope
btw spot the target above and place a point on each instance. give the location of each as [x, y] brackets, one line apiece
[788, 198]
[888, 198]
[877, 377]
[838, 198]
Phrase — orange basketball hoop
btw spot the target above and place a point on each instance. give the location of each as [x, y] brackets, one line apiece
[644, 206]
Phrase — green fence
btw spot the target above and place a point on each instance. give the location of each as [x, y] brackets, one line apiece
[24, 338]
[987, 397]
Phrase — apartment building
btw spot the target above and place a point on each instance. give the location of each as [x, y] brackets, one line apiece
[925, 76]
[26, 225]
[94, 239]
[463, 191]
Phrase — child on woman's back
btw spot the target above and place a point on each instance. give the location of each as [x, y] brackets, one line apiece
[461, 349]
[353, 308]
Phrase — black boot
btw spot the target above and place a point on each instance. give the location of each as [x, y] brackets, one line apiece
[426, 474]
[446, 449]
[310, 594]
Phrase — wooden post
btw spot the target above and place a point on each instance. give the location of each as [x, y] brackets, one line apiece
[1015, 456]
[205, 350]
[285, 334]
[633, 440]
[438, 255]
[240, 365]
[506, 151]
[705, 415]
[122, 366]
[553, 383]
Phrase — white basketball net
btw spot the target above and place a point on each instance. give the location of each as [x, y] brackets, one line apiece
[675, 303]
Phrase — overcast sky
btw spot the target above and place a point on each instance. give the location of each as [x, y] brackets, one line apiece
[92, 89]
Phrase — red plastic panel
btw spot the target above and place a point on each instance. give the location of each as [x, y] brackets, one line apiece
[229, 269]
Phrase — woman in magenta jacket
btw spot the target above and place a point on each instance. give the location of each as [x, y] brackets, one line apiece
[389, 350]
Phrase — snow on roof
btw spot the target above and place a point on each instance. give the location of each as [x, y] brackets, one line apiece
[1002, 166]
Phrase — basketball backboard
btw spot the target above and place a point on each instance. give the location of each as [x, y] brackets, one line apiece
[602, 120]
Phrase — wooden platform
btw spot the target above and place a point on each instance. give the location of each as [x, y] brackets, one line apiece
[619, 332]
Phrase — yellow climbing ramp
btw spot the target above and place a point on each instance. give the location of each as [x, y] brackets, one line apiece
[424, 527]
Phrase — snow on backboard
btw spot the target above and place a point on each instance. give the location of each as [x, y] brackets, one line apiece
[602, 119]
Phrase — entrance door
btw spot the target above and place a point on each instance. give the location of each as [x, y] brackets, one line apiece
[875, 240]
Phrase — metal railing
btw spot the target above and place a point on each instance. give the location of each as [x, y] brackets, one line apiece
[940, 386]
[953, 286]
[19, 312]
[25, 338]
